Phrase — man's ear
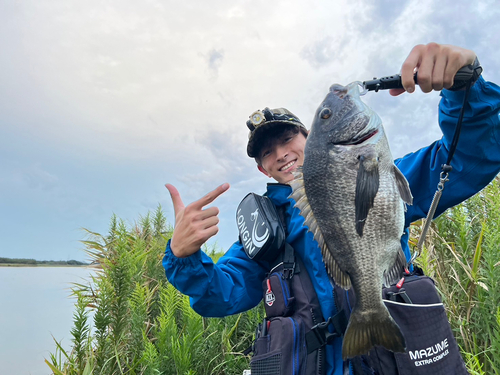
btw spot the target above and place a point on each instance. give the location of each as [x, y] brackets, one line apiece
[259, 167]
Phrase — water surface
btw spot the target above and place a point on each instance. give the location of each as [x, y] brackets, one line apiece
[35, 305]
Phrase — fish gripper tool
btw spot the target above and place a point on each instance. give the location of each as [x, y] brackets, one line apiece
[464, 74]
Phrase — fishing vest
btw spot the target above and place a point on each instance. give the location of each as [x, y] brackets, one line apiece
[291, 338]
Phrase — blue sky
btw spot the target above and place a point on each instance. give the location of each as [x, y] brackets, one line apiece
[103, 102]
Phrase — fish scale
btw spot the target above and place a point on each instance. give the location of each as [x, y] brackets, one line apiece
[353, 199]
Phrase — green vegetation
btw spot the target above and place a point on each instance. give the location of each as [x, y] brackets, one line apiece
[129, 320]
[32, 262]
[462, 254]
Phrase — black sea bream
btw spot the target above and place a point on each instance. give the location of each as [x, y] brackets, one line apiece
[353, 198]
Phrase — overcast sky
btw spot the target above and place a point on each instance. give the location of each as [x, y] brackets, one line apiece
[103, 102]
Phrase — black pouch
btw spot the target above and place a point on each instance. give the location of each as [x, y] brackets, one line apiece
[278, 298]
[430, 345]
[261, 232]
[279, 347]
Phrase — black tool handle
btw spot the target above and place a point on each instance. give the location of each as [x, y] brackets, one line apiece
[466, 73]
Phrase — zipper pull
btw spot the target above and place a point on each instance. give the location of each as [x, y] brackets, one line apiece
[399, 285]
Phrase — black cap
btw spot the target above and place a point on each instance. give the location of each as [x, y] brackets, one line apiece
[262, 121]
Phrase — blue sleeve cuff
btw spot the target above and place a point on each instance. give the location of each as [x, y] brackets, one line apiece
[189, 261]
[458, 96]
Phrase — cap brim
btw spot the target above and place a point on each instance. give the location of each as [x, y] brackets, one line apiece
[256, 135]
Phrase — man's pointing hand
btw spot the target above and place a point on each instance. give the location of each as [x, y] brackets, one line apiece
[194, 225]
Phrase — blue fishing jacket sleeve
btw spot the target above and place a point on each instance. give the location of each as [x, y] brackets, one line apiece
[234, 283]
[231, 286]
[476, 160]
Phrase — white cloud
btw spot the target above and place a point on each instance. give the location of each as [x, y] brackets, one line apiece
[164, 88]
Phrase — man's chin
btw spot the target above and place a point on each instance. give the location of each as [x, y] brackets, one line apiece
[288, 178]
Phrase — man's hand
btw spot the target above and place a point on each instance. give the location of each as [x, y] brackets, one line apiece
[436, 64]
[193, 224]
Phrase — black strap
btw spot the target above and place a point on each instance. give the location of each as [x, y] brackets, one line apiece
[446, 168]
[400, 296]
[288, 261]
[320, 335]
[288, 254]
[454, 142]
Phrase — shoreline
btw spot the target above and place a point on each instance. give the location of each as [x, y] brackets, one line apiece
[42, 265]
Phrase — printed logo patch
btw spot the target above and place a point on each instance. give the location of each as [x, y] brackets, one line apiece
[432, 354]
[270, 297]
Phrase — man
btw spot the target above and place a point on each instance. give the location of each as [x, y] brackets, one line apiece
[233, 285]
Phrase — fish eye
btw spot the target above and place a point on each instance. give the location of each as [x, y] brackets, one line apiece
[325, 113]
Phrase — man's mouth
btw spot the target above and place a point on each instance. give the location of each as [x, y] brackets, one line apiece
[287, 166]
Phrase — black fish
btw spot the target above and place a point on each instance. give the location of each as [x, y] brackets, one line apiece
[353, 198]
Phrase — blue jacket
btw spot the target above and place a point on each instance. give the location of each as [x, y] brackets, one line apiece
[233, 284]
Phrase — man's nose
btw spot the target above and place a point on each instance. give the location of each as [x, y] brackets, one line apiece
[281, 152]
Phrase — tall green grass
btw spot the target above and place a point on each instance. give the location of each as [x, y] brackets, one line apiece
[129, 320]
[462, 254]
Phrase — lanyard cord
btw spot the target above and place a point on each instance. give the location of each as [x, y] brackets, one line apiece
[446, 169]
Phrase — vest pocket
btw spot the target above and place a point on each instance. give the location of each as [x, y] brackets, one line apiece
[275, 352]
[278, 299]
[431, 347]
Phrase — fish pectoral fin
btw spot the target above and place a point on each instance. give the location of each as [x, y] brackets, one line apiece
[403, 186]
[340, 278]
[367, 183]
[393, 274]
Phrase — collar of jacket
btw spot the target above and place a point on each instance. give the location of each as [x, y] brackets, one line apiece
[279, 193]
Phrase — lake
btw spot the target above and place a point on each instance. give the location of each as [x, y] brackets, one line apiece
[35, 304]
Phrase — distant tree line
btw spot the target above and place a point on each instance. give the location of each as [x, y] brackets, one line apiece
[34, 262]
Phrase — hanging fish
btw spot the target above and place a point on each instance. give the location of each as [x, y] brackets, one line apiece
[353, 198]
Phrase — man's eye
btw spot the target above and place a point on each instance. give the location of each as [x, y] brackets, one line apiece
[265, 153]
[287, 139]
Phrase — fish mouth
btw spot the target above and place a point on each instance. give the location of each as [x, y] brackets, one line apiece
[358, 141]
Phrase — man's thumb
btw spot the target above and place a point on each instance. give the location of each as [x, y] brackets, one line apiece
[176, 198]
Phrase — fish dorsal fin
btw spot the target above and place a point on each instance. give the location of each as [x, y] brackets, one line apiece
[302, 203]
[367, 183]
[403, 186]
[340, 278]
[393, 274]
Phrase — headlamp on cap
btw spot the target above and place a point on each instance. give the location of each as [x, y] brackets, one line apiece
[256, 119]
[260, 119]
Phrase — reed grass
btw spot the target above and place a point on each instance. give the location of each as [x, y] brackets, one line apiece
[129, 320]
[462, 254]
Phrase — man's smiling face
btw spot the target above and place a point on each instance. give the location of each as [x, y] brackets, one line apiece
[282, 157]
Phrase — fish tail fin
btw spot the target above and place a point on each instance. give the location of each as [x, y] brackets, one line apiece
[369, 329]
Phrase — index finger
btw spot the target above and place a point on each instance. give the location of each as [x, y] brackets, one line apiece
[408, 68]
[210, 197]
